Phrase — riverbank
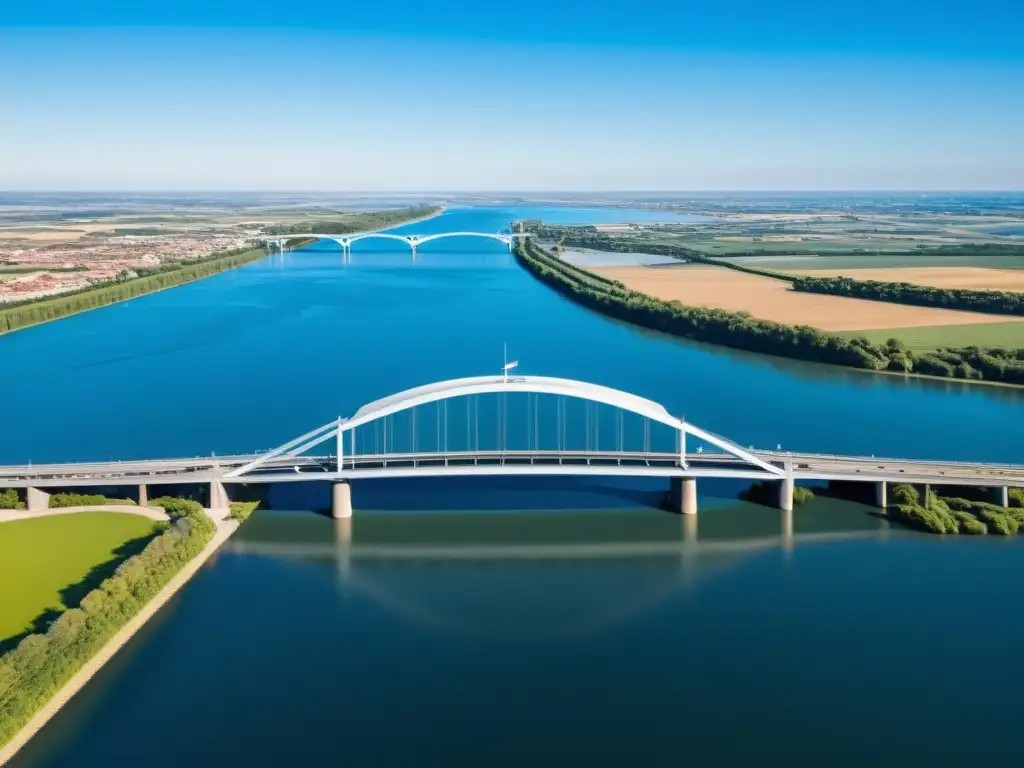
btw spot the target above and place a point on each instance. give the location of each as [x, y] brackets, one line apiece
[741, 331]
[224, 530]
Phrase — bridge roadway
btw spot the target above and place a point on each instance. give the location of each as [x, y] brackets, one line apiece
[798, 467]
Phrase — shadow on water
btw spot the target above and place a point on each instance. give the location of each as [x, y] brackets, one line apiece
[73, 594]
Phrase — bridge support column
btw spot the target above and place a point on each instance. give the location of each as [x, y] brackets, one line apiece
[683, 495]
[218, 495]
[786, 494]
[341, 500]
[36, 499]
[1001, 496]
[881, 495]
[143, 495]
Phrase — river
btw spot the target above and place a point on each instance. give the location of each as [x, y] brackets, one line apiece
[518, 621]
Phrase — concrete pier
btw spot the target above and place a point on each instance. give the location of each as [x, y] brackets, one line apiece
[341, 500]
[36, 499]
[786, 494]
[881, 495]
[684, 495]
[1001, 496]
[143, 495]
[218, 495]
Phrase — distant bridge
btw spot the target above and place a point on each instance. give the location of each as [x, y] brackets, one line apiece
[376, 453]
[413, 241]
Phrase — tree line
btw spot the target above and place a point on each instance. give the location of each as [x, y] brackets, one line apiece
[33, 671]
[34, 311]
[357, 222]
[992, 302]
[740, 331]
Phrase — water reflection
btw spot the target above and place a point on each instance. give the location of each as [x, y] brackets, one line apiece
[535, 574]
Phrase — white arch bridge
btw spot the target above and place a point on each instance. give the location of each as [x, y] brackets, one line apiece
[469, 426]
[346, 241]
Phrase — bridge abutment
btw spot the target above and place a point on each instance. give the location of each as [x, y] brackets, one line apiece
[36, 499]
[341, 500]
[218, 495]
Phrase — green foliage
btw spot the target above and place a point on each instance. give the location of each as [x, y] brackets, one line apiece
[241, 510]
[175, 507]
[58, 500]
[34, 311]
[991, 302]
[1016, 497]
[35, 670]
[9, 499]
[999, 522]
[904, 493]
[928, 520]
[969, 524]
[766, 493]
[357, 222]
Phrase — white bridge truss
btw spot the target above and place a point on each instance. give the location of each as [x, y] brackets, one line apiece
[348, 462]
[413, 241]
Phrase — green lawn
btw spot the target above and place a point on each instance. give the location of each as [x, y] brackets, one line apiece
[932, 337]
[50, 563]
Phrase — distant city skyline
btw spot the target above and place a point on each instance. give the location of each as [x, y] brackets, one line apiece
[557, 97]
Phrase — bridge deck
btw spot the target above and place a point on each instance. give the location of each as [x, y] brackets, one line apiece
[638, 464]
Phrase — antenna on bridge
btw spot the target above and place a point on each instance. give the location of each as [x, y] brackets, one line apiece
[507, 366]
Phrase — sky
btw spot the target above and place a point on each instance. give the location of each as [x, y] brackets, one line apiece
[533, 95]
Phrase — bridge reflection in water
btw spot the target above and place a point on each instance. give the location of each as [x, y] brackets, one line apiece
[522, 574]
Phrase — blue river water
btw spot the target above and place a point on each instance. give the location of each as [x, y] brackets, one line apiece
[512, 622]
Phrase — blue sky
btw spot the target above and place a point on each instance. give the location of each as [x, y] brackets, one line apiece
[533, 95]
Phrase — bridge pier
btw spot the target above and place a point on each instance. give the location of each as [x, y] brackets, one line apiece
[881, 495]
[786, 494]
[36, 499]
[341, 500]
[143, 495]
[1001, 496]
[683, 495]
[218, 498]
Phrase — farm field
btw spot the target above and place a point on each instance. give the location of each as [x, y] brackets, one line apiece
[926, 339]
[48, 564]
[769, 299]
[975, 278]
[818, 262]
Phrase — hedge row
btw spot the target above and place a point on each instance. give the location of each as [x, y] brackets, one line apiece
[934, 514]
[42, 663]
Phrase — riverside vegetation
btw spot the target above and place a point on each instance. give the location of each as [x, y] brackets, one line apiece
[33, 672]
[932, 513]
[359, 222]
[741, 331]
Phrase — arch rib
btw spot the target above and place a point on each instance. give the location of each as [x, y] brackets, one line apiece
[446, 390]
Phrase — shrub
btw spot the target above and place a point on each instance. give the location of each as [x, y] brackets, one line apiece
[1016, 497]
[969, 524]
[241, 510]
[9, 499]
[175, 507]
[802, 495]
[904, 493]
[999, 522]
[59, 500]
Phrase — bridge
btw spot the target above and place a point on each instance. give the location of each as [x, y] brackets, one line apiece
[471, 427]
[413, 241]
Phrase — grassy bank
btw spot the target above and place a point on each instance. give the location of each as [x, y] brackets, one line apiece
[33, 672]
[48, 564]
[344, 224]
[928, 338]
[31, 313]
